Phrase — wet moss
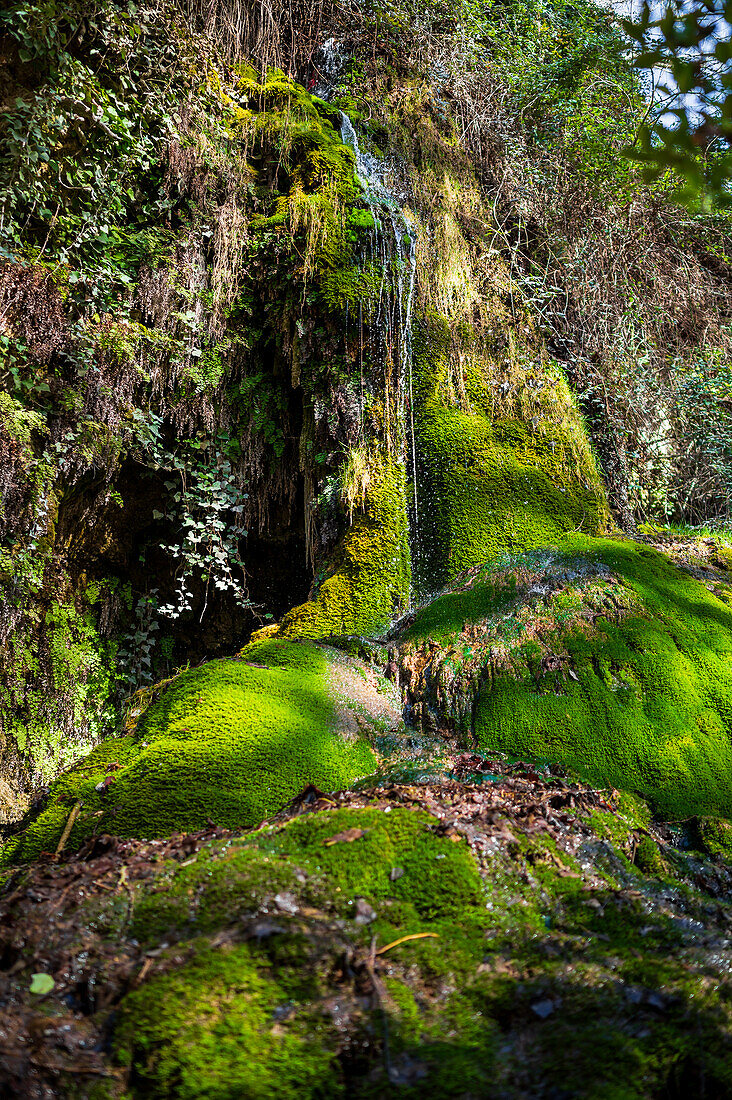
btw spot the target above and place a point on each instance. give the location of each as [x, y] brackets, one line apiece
[370, 580]
[491, 483]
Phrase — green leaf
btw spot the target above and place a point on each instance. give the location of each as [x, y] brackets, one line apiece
[41, 984]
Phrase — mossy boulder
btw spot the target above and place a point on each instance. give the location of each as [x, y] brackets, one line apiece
[600, 654]
[213, 1022]
[504, 466]
[230, 742]
[365, 951]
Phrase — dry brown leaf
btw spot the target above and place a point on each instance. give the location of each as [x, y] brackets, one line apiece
[346, 837]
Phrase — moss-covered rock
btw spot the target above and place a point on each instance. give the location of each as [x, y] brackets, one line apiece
[497, 473]
[602, 655]
[369, 951]
[231, 741]
[713, 836]
[370, 579]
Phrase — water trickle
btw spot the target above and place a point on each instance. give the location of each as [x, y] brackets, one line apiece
[329, 65]
[392, 247]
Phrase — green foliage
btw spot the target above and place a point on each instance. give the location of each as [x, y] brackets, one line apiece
[76, 149]
[702, 405]
[688, 46]
[57, 699]
[42, 984]
[570, 83]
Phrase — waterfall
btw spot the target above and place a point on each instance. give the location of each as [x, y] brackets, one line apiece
[393, 245]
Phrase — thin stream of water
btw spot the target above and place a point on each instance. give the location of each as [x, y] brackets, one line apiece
[393, 244]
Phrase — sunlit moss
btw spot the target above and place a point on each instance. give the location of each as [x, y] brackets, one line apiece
[231, 741]
[370, 580]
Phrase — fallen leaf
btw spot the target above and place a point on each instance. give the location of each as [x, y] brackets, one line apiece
[346, 837]
[41, 984]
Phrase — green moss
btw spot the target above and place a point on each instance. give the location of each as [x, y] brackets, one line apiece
[648, 858]
[649, 705]
[371, 577]
[440, 879]
[299, 137]
[458, 1004]
[714, 836]
[493, 593]
[207, 1030]
[213, 1025]
[57, 686]
[491, 483]
[230, 742]
[259, 985]
[600, 654]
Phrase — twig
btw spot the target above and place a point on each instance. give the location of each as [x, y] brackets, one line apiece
[69, 826]
[403, 939]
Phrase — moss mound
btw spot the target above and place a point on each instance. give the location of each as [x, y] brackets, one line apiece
[206, 1031]
[365, 951]
[494, 476]
[210, 1028]
[602, 655]
[231, 741]
[497, 487]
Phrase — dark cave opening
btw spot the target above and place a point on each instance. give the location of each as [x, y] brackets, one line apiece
[122, 540]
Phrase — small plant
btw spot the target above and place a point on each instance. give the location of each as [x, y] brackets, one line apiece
[356, 476]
